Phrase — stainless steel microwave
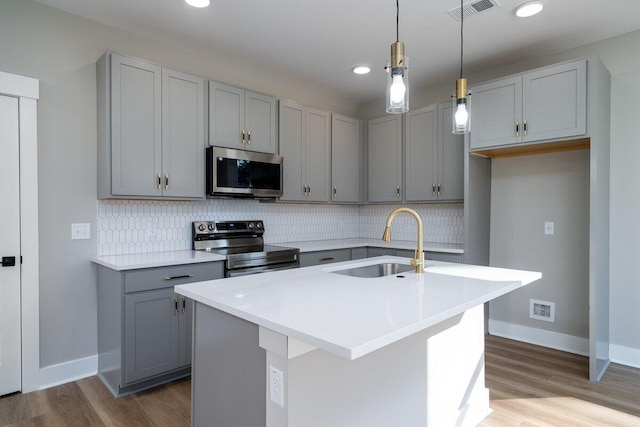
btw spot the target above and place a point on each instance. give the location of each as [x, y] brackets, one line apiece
[237, 173]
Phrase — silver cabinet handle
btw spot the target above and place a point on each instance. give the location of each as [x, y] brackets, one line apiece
[185, 276]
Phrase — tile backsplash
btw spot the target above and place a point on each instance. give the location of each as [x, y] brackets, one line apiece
[135, 226]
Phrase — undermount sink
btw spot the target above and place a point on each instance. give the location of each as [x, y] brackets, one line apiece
[376, 270]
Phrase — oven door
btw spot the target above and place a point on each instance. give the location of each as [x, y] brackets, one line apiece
[260, 269]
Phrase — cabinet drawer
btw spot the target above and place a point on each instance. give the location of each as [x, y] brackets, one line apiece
[324, 257]
[434, 256]
[443, 256]
[165, 277]
[371, 252]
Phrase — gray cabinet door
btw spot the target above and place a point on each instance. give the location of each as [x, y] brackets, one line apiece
[421, 154]
[555, 102]
[226, 116]
[292, 136]
[151, 333]
[317, 155]
[496, 110]
[345, 159]
[185, 330]
[450, 157]
[385, 159]
[183, 138]
[260, 122]
[136, 140]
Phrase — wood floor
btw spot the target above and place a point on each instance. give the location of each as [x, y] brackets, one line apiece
[530, 387]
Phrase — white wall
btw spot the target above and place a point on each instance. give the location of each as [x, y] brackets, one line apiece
[526, 192]
[60, 50]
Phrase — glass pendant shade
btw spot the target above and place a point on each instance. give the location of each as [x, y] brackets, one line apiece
[461, 119]
[397, 80]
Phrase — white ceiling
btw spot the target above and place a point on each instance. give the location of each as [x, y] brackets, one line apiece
[321, 41]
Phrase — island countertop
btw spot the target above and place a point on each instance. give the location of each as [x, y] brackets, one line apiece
[352, 316]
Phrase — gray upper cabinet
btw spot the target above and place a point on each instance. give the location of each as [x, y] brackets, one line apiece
[183, 134]
[150, 130]
[384, 144]
[450, 157]
[241, 119]
[544, 104]
[144, 327]
[305, 146]
[345, 159]
[421, 154]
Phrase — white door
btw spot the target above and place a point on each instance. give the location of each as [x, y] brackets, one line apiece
[10, 345]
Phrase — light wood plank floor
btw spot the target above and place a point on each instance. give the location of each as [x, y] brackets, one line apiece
[530, 387]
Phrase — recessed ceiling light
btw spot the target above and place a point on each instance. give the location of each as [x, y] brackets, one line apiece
[362, 69]
[529, 9]
[198, 3]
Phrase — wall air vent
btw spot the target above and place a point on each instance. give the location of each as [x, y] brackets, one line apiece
[473, 8]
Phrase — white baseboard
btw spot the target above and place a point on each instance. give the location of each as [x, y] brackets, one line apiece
[555, 340]
[624, 355]
[72, 370]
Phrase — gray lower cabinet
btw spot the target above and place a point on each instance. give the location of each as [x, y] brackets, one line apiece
[305, 144]
[144, 327]
[373, 251]
[151, 130]
[358, 253]
[324, 257]
[433, 256]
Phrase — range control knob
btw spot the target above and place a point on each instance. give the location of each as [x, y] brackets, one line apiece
[258, 225]
[251, 225]
[201, 227]
[211, 226]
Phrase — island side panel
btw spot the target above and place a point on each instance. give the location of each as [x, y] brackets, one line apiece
[228, 371]
[433, 378]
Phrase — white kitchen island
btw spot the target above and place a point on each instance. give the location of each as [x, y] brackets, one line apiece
[400, 350]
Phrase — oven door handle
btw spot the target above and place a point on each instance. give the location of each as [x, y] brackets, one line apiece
[260, 269]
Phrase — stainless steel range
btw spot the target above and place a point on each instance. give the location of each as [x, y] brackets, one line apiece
[242, 244]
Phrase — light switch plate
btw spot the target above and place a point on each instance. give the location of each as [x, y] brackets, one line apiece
[81, 231]
[549, 228]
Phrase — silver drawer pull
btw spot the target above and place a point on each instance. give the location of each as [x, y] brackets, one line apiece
[186, 276]
[327, 259]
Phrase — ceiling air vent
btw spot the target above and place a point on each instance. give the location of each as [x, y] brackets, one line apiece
[473, 8]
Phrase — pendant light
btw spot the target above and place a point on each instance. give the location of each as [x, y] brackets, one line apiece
[397, 74]
[461, 119]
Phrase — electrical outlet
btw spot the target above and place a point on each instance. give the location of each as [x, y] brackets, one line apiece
[542, 310]
[80, 231]
[549, 228]
[276, 386]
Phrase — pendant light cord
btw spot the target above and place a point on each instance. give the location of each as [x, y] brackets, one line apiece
[461, 35]
[397, 20]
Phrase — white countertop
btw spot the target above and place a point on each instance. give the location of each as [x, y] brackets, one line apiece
[155, 259]
[163, 259]
[350, 316]
[323, 245]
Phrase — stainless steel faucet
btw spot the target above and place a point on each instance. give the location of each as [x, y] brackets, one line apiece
[418, 257]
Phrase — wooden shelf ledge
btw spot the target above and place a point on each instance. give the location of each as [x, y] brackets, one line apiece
[536, 148]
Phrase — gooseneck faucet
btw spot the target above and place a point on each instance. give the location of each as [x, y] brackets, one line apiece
[418, 257]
